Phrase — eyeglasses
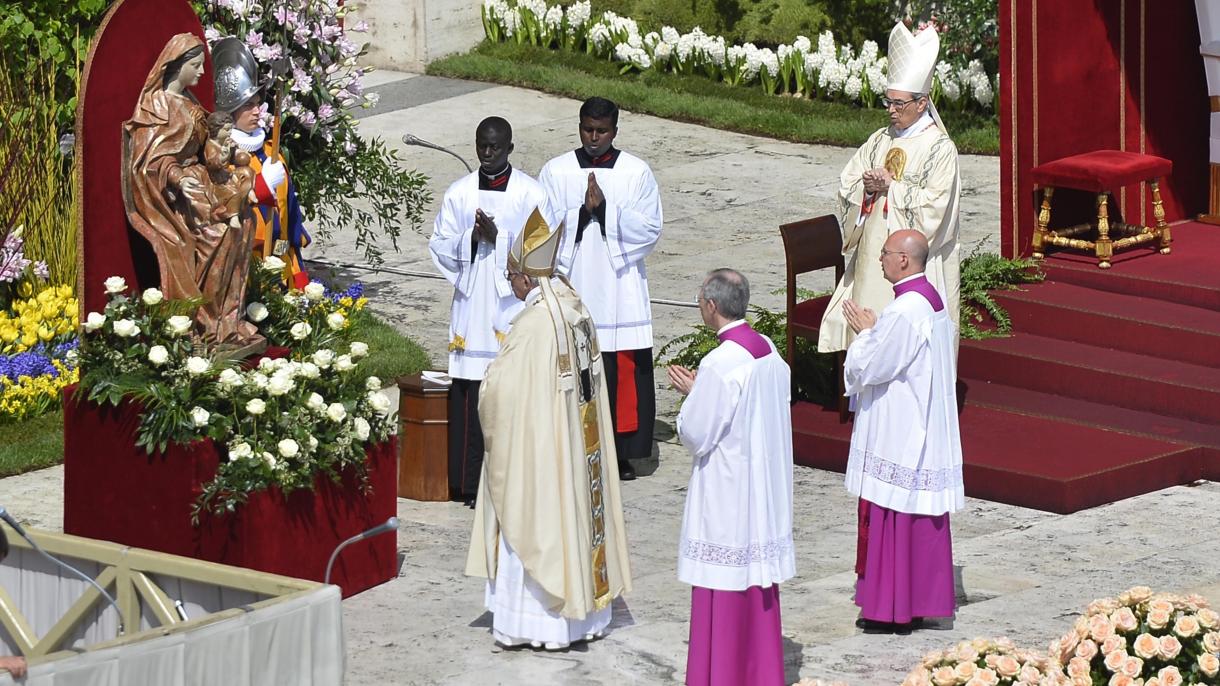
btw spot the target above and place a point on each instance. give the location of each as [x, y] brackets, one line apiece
[509, 274]
[898, 104]
[885, 252]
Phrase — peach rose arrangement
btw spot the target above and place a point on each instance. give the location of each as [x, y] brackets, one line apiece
[1142, 638]
[985, 662]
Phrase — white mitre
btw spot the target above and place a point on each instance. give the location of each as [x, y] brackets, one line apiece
[912, 59]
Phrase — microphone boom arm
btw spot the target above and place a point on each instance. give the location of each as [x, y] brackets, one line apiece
[409, 139]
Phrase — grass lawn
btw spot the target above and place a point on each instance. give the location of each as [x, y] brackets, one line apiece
[32, 443]
[694, 99]
[39, 442]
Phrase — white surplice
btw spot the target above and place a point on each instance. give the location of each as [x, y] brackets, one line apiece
[737, 424]
[924, 196]
[906, 452]
[481, 295]
[608, 272]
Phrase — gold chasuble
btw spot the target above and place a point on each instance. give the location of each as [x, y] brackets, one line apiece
[549, 483]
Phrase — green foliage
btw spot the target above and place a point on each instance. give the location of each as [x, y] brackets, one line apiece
[970, 28]
[985, 272]
[50, 34]
[33, 443]
[391, 354]
[813, 376]
[692, 98]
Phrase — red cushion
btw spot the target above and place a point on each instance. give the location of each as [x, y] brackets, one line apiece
[808, 313]
[1101, 170]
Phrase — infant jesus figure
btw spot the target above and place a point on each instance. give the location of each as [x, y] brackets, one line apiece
[229, 168]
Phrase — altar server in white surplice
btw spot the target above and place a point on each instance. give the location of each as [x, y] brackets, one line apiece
[905, 176]
[480, 216]
[736, 545]
[905, 462]
[611, 208]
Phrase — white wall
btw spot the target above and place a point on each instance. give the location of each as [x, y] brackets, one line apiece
[405, 35]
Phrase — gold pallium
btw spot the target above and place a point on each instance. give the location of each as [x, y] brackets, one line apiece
[896, 162]
[597, 513]
[458, 343]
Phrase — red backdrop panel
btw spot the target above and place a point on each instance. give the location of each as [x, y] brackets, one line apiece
[1081, 75]
[125, 47]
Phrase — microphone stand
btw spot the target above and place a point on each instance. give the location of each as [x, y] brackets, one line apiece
[410, 139]
[388, 525]
[8, 518]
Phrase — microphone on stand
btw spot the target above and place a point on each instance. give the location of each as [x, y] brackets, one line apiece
[410, 139]
[388, 525]
[8, 518]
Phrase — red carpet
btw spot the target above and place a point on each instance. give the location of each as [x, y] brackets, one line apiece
[1110, 386]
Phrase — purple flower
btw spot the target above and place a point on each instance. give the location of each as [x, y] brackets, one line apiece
[267, 53]
[325, 112]
[349, 147]
[31, 364]
[361, 27]
[41, 270]
[307, 119]
[331, 32]
[254, 39]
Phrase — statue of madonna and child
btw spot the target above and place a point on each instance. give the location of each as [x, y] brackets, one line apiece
[188, 192]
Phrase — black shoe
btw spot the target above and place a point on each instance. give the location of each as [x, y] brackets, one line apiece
[469, 502]
[869, 626]
[625, 471]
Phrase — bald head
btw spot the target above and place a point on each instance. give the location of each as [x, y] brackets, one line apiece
[905, 253]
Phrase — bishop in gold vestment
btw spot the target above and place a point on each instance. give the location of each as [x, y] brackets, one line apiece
[548, 532]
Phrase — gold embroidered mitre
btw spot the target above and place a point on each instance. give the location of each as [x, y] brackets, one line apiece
[912, 59]
[534, 251]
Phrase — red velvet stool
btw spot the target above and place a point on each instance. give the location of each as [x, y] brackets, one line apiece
[1100, 172]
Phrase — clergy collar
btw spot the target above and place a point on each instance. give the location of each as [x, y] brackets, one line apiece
[726, 327]
[533, 296]
[250, 141]
[914, 129]
[908, 279]
[603, 161]
[497, 181]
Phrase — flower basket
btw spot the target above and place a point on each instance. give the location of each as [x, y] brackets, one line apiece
[116, 492]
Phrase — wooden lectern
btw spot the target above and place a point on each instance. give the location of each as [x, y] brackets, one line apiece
[423, 439]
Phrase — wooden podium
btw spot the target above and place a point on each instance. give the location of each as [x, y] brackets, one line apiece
[423, 439]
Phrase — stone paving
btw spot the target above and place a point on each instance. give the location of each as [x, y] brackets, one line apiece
[1022, 573]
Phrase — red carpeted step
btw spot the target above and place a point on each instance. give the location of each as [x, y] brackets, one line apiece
[1098, 415]
[1076, 370]
[1112, 320]
[1026, 460]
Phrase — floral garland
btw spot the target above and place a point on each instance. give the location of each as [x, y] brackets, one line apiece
[829, 72]
[281, 423]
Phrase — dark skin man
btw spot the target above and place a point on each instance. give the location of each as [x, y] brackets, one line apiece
[596, 136]
[492, 146]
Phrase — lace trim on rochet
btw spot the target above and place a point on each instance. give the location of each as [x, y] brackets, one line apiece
[728, 556]
[905, 477]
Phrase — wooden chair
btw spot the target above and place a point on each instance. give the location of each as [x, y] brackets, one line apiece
[810, 245]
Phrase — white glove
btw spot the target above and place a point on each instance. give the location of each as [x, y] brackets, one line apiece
[274, 174]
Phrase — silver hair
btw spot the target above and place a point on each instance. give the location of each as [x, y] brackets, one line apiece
[730, 290]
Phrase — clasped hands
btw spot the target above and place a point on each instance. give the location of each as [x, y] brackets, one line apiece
[877, 180]
[858, 318]
[484, 227]
[681, 378]
[593, 194]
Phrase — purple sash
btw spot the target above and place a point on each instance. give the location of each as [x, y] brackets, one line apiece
[922, 286]
[747, 338]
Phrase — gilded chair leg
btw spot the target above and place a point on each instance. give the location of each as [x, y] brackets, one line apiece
[1158, 212]
[1104, 248]
[1044, 220]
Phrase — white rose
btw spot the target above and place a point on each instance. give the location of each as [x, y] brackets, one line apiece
[94, 321]
[300, 330]
[315, 402]
[379, 402]
[309, 370]
[314, 290]
[126, 328]
[279, 385]
[264, 363]
[115, 285]
[269, 459]
[362, 428]
[335, 321]
[344, 363]
[158, 355]
[372, 383]
[178, 324]
[230, 379]
[359, 349]
[336, 412]
[323, 358]
[152, 296]
[288, 447]
[240, 451]
[200, 416]
[197, 365]
[273, 264]
[256, 312]
[313, 443]
[259, 380]
[256, 406]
